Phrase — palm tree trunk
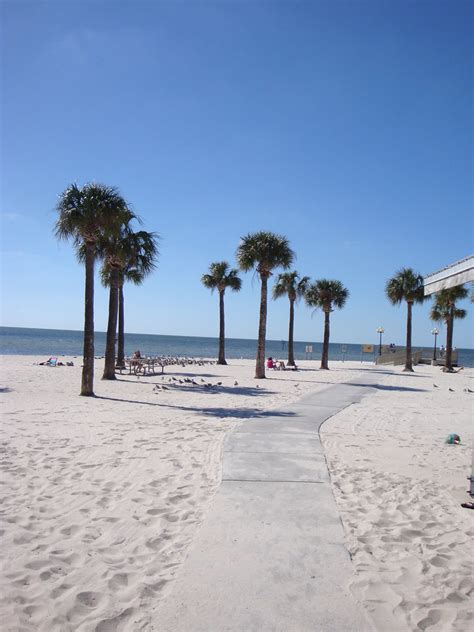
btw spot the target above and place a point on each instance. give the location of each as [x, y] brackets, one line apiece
[109, 368]
[87, 386]
[325, 354]
[221, 359]
[121, 328]
[291, 357]
[449, 341]
[262, 328]
[408, 359]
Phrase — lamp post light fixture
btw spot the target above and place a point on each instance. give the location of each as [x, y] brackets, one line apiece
[435, 333]
[380, 331]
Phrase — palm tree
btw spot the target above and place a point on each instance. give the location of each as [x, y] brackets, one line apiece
[142, 261]
[326, 295]
[444, 310]
[132, 255]
[220, 278]
[292, 285]
[263, 251]
[85, 215]
[407, 286]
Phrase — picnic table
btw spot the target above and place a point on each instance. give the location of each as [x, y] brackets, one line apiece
[143, 366]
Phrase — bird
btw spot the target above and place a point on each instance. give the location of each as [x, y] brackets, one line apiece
[203, 380]
[165, 388]
[470, 391]
[452, 390]
[435, 386]
[219, 383]
[258, 386]
[180, 381]
[236, 383]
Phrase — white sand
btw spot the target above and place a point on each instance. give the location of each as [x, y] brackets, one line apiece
[102, 496]
[399, 487]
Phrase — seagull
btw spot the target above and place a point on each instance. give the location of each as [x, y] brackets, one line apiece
[219, 383]
[165, 388]
[202, 380]
[258, 386]
[236, 383]
[452, 390]
[469, 390]
[435, 386]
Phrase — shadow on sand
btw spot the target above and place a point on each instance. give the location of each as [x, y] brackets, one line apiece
[241, 413]
[384, 387]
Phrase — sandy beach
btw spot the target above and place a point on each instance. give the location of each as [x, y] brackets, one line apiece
[101, 497]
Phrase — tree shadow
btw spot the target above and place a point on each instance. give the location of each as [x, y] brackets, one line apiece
[125, 401]
[251, 391]
[241, 413]
[216, 390]
[386, 387]
[381, 371]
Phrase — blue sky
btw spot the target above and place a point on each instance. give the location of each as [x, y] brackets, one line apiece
[346, 126]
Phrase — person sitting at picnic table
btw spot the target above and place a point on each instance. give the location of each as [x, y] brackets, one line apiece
[136, 358]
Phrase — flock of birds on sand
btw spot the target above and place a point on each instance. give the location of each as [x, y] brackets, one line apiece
[174, 381]
[452, 390]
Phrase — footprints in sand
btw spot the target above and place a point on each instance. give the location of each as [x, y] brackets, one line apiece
[404, 549]
[118, 582]
[84, 538]
[89, 599]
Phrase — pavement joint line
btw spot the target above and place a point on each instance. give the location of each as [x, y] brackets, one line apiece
[258, 480]
[268, 452]
[236, 432]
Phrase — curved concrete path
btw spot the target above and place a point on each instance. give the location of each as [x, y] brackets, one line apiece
[270, 554]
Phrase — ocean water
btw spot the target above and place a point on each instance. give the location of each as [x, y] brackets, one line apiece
[58, 342]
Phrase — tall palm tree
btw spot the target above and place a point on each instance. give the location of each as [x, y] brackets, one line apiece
[263, 252]
[292, 285]
[221, 277]
[132, 254]
[444, 309]
[85, 215]
[326, 295]
[406, 285]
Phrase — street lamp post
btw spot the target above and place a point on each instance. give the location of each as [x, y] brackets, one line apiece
[380, 331]
[435, 333]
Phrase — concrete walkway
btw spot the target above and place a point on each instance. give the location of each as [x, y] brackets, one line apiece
[270, 554]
